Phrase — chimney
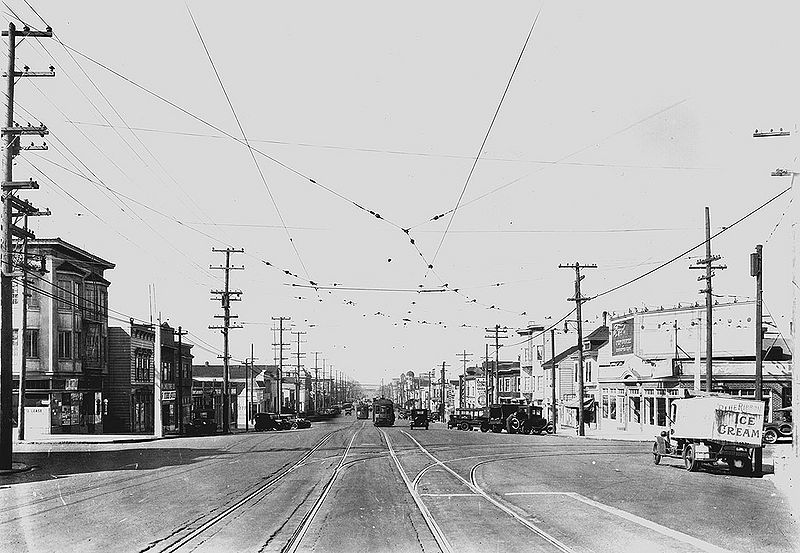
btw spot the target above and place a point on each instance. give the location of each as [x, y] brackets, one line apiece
[605, 318]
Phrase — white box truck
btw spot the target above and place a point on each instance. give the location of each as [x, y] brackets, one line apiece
[712, 428]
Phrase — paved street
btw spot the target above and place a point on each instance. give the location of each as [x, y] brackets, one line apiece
[348, 486]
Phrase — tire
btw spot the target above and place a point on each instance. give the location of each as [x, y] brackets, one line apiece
[464, 426]
[744, 470]
[426, 427]
[550, 428]
[294, 426]
[656, 456]
[496, 429]
[513, 425]
[689, 461]
[770, 436]
[484, 427]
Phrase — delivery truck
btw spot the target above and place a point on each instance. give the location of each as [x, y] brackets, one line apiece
[712, 428]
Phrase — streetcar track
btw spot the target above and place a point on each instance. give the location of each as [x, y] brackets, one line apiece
[265, 487]
[297, 536]
[433, 526]
[479, 491]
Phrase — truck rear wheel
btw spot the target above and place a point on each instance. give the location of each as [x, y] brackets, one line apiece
[484, 427]
[770, 436]
[740, 466]
[689, 460]
[464, 426]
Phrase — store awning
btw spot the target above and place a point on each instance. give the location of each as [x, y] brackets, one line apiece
[588, 403]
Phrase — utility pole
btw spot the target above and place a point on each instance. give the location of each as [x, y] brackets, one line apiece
[26, 268]
[179, 394]
[499, 333]
[579, 300]
[441, 407]
[11, 134]
[316, 382]
[280, 359]
[756, 270]
[297, 380]
[463, 384]
[486, 376]
[226, 296]
[708, 264]
[553, 361]
[251, 377]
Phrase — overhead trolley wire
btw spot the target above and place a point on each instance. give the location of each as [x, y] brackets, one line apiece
[486, 135]
[247, 143]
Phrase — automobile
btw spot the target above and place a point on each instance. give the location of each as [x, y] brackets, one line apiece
[203, 423]
[419, 418]
[778, 428]
[269, 421]
[292, 422]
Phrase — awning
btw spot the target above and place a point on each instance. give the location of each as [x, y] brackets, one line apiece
[588, 403]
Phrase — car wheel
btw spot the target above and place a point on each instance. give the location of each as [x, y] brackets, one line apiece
[656, 456]
[484, 427]
[513, 425]
[294, 426]
[770, 436]
[464, 426]
[689, 460]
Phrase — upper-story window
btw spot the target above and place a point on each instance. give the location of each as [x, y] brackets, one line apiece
[32, 343]
[64, 294]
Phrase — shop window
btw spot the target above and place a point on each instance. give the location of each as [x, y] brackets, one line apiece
[65, 344]
[32, 343]
[605, 407]
[635, 409]
[613, 408]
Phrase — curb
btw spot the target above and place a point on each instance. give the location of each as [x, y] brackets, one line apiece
[16, 468]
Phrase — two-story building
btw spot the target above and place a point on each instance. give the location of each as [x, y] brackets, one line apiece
[130, 386]
[65, 341]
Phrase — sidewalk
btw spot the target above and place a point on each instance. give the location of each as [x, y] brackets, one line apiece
[88, 439]
[609, 434]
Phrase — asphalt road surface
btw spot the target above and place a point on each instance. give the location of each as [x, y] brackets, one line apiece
[345, 485]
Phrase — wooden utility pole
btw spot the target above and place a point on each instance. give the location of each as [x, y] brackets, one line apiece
[179, 393]
[499, 333]
[299, 356]
[441, 406]
[316, 381]
[708, 264]
[251, 377]
[462, 389]
[8, 230]
[553, 361]
[756, 270]
[226, 296]
[579, 301]
[280, 359]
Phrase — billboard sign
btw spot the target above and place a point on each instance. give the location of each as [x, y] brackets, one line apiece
[622, 337]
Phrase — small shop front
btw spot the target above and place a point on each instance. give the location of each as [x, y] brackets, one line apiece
[77, 406]
[640, 407]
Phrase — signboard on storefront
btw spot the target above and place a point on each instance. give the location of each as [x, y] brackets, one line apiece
[71, 384]
[168, 395]
[622, 337]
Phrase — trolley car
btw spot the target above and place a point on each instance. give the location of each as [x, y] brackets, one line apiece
[383, 412]
[362, 411]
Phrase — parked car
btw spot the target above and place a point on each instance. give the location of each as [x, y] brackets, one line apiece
[781, 428]
[291, 422]
[269, 421]
[419, 418]
[203, 423]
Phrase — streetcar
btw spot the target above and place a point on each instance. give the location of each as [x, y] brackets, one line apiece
[383, 412]
[362, 411]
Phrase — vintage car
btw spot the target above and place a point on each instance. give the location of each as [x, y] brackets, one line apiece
[781, 428]
[203, 423]
[419, 418]
[467, 418]
[269, 421]
[292, 422]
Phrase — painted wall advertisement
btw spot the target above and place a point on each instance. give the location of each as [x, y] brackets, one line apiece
[622, 337]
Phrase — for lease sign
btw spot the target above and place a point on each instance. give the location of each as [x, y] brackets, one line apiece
[740, 422]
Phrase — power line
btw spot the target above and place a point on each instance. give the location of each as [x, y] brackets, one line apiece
[486, 137]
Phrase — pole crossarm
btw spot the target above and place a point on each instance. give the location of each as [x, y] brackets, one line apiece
[26, 31]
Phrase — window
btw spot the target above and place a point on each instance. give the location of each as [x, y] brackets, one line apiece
[64, 294]
[516, 384]
[33, 293]
[32, 343]
[65, 344]
[589, 370]
[575, 372]
[14, 293]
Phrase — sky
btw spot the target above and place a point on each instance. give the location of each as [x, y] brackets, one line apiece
[598, 140]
